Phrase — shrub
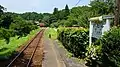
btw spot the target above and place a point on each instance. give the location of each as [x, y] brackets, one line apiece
[93, 55]
[6, 34]
[74, 40]
[106, 50]
[111, 48]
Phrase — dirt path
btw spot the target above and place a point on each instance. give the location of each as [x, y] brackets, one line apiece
[69, 61]
[51, 55]
[55, 56]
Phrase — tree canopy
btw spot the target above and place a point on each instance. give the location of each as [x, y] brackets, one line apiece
[1, 9]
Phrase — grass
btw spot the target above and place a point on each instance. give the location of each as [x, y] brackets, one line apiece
[51, 33]
[6, 50]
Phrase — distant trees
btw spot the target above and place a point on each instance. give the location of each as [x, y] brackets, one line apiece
[46, 18]
[31, 16]
[12, 24]
[59, 15]
[6, 21]
[1, 9]
[77, 16]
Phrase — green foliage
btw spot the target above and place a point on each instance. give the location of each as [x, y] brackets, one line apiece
[22, 27]
[67, 11]
[81, 14]
[31, 16]
[101, 7]
[1, 9]
[6, 34]
[63, 23]
[111, 48]
[6, 50]
[51, 33]
[74, 40]
[55, 11]
[93, 55]
[6, 21]
[106, 50]
[78, 16]
[11, 24]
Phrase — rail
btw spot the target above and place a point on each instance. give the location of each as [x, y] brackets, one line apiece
[40, 33]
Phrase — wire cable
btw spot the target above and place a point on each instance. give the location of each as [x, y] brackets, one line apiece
[77, 2]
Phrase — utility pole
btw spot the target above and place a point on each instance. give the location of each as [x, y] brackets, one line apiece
[117, 13]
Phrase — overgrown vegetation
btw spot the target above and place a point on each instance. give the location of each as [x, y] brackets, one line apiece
[14, 28]
[74, 40]
[77, 16]
[111, 48]
[51, 33]
[6, 50]
[12, 25]
[108, 50]
[14, 31]
[104, 52]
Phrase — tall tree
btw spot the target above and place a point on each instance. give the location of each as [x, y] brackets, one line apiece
[67, 11]
[113, 7]
[55, 11]
[99, 8]
[1, 9]
[7, 20]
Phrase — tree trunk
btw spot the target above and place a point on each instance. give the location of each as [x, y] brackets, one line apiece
[117, 12]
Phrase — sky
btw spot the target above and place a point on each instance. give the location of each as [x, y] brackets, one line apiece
[40, 6]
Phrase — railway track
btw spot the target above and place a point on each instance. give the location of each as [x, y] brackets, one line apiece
[31, 51]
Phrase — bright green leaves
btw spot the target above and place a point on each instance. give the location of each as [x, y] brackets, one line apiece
[74, 40]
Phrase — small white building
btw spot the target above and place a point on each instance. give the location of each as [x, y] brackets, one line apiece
[99, 25]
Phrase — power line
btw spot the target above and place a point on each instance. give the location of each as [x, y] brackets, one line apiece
[77, 2]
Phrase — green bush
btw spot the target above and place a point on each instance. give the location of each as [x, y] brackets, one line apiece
[111, 47]
[22, 27]
[74, 40]
[106, 50]
[6, 34]
[11, 26]
[93, 55]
